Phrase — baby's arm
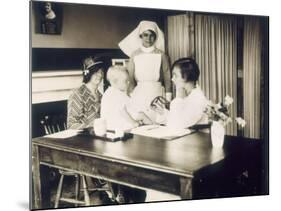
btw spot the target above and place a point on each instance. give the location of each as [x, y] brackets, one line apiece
[126, 115]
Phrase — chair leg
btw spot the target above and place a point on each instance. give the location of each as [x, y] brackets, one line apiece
[111, 190]
[86, 193]
[120, 195]
[77, 188]
[59, 191]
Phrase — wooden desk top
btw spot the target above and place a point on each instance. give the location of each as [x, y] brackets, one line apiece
[183, 156]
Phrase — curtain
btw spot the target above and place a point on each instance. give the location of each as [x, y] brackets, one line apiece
[216, 55]
[252, 56]
[180, 30]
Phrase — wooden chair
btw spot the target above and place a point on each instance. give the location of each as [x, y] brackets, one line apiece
[85, 189]
[53, 124]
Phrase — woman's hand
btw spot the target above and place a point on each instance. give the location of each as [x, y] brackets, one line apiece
[158, 108]
[144, 119]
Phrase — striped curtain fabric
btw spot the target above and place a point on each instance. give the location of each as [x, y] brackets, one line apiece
[252, 76]
[180, 36]
[216, 55]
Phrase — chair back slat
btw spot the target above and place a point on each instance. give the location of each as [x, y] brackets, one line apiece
[58, 127]
[53, 123]
[64, 125]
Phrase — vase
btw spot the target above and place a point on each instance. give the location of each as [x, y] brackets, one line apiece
[217, 134]
[99, 127]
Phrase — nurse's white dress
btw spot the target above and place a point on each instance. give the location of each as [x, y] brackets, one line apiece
[147, 74]
[149, 70]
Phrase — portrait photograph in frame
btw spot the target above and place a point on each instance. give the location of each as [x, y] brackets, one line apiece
[160, 158]
[48, 18]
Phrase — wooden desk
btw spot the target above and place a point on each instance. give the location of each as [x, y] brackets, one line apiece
[181, 166]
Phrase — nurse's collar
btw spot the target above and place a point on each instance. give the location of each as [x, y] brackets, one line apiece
[148, 50]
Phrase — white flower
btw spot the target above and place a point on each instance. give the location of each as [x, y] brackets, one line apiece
[86, 72]
[218, 106]
[228, 100]
[241, 122]
[222, 116]
[210, 103]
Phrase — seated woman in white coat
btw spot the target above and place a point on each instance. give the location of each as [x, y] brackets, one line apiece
[188, 107]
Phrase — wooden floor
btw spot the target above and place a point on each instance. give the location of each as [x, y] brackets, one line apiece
[154, 196]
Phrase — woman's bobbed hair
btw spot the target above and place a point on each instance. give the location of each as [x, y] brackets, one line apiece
[188, 68]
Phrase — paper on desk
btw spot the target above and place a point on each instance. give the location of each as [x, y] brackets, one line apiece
[160, 132]
[64, 134]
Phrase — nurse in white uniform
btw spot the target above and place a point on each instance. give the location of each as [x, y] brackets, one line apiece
[149, 68]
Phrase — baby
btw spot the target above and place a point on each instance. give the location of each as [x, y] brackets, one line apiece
[115, 103]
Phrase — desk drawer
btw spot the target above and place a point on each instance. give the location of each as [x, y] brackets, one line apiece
[111, 170]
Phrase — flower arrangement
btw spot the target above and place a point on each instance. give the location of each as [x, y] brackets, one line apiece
[219, 112]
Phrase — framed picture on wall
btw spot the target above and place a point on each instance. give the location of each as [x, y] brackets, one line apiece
[48, 18]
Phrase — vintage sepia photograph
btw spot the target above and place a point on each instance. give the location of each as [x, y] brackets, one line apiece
[137, 105]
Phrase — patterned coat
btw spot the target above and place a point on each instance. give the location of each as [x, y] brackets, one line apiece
[82, 108]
